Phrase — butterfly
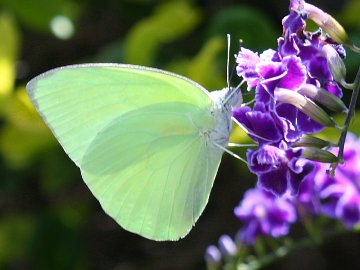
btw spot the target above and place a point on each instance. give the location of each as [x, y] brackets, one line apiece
[148, 142]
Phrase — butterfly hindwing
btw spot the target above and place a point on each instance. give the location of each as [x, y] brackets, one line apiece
[152, 170]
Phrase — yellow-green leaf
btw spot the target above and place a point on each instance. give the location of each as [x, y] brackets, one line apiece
[24, 133]
[169, 22]
[9, 47]
[203, 68]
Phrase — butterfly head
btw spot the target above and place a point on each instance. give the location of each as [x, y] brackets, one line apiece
[227, 97]
[233, 97]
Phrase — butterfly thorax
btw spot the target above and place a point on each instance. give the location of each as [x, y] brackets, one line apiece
[223, 102]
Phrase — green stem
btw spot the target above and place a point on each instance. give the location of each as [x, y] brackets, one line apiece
[259, 247]
[309, 225]
[282, 252]
[349, 116]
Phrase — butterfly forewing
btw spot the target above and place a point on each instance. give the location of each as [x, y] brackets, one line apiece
[78, 101]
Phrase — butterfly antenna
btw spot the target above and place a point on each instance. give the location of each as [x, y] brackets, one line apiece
[242, 144]
[239, 85]
[234, 90]
[228, 61]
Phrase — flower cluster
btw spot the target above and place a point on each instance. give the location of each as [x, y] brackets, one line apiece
[337, 197]
[264, 214]
[294, 87]
[289, 84]
[340, 195]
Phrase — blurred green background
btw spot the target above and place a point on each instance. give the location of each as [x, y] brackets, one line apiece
[48, 217]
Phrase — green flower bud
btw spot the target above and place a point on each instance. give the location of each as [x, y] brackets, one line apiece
[316, 154]
[329, 25]
[323, 97]
[311, 141]
[305, 105]
[336, 64]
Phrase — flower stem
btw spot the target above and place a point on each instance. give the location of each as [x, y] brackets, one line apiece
[344, 131]
[259, 247]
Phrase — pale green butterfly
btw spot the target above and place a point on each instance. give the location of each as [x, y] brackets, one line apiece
[148, 142]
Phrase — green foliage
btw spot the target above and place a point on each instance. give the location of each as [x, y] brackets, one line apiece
[350, 14]
[244, 23]
[24, 133]
[58, 245]
[169, 22]
[15, 236]
[39, 13]
[9, 47]
[332, 134]
[202, 68]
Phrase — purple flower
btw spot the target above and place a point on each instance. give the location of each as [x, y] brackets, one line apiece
[247, 61]
[340, 195]
[263, 214]
[278, 168]
[281, 114]
[265, 124]
[307, 200]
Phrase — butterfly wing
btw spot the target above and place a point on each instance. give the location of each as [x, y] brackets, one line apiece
[139, 138]
[76, 102]
[152, 170]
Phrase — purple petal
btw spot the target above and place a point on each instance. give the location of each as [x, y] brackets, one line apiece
[333, 88]
[348, 210]
[269, 70]
[319, 68]
[263, 214]
[297, 177]
[259, 122]
[270, 55]
[288, 45]
[293, 22]
[247, 61]
[308, 125]
[274, 181]
[288, 115]
[254, 165]
[240, 113]
[296, 73]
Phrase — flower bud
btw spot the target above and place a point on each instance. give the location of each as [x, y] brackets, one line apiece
[336, 64]
[227, 246]
[297, 5]
[329, 25]
[323, 97]
[311, 141]
[316, 154]
[213, 257]
[305, 105]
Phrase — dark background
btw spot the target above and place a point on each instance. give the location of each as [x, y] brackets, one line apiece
[48, 217]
